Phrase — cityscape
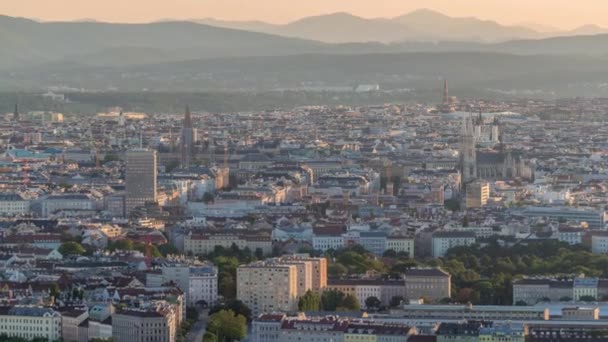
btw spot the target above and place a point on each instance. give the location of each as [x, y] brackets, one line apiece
[290, 182]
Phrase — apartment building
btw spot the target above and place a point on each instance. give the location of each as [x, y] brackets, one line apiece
[433, 284]
[198, 282]
[154, 324]
[442, 241]
[276, 284]
[13, 205]
[30, 323]
[205, 242]
[268, 286]
[281, 328]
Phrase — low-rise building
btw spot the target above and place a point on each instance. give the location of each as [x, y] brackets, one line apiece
[442, 241]
[13, 205]
[205, 243]
[430, 283]
[157, 323]
[30, 323]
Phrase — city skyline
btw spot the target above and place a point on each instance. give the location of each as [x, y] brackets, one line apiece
[555, 14]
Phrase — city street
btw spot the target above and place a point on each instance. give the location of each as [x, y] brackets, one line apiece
[198, 329]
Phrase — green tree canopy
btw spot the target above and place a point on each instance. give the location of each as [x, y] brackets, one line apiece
[350, 303]
[372, 303]
[227, 326]
[309, 302]
[71, 248]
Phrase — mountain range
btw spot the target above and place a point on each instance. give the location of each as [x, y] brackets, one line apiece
[412, 50]
[419, 25]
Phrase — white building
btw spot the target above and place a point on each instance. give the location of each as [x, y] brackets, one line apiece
[68, 202]
[30, 323]
[325, 242]
[599, 243]
[444, 240]
[13, 205]
[199, 283]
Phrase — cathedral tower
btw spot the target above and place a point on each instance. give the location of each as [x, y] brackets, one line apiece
[468, 154]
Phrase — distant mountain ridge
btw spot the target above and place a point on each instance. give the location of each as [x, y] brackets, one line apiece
[27, 43]
[419, 25]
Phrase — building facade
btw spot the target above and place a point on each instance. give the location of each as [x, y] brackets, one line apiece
[140, 178]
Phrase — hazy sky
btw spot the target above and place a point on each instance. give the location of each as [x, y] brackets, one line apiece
[558, 13]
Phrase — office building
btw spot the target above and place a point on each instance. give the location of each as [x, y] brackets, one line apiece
[140, 179]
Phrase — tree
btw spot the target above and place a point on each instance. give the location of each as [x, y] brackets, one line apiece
[167, 249]
[467, 295]
[452, 204]
[227, 285]
[110, 158]
[123, 245]
[54, 290]
[331, 299]
[587, 299]
[336, 270]
[208, 198]
[350, 303]
[259, 253]
[521, 303]
[389, 253]
[309, 302]
[227, 326]
[237, 306]
[71, 248]
[209, 337]
[372, 303]
[396, 301]
[565, 299]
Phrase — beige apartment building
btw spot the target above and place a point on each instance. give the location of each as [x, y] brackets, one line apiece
[276, 284]
[268, 286]
[157, 324]
[318, 268]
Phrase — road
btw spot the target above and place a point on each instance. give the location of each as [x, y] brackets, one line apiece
[198, 329]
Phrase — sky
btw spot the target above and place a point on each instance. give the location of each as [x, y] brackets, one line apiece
[562, 14]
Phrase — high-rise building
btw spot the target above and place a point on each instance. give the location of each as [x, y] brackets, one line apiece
[187, 139]
[140, 180]
[477, 194]
[276, 284]
[16, 113]
[268, 286]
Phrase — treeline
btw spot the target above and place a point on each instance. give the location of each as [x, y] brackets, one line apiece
[484, 273]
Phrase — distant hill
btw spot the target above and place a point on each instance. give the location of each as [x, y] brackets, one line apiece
[420, 25]
[435, 24]
[559, 74]
[25, 42]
